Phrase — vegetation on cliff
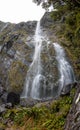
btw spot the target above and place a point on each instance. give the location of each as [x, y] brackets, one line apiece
[68, 16]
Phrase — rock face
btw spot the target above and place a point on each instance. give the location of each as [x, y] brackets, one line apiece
[15, 55]
[29, 26]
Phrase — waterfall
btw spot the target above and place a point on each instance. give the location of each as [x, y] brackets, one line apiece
[36, 64]
[34, 76]
[65, 69]
[42, 80]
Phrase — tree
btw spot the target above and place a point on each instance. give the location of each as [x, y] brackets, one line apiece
[70, 3]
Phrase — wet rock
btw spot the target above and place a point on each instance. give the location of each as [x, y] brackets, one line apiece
[66, 90]
[2, 108]
[13, 98]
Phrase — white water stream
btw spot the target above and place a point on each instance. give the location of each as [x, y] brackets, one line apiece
[34, 74]
[36, 64]
[65, 69]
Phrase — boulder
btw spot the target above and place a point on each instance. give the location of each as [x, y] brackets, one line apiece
[13, 98]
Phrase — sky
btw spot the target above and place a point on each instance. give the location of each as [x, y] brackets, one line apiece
[16, 11]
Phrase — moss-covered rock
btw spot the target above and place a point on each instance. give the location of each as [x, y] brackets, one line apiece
[17, 75]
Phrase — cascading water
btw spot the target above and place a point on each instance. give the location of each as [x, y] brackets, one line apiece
[34, 74]
[37, 63]
[42, 77]
[65, 69]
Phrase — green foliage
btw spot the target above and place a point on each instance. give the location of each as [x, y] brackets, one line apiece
[56, 15]
[55, 106]
[42, 118]
[18, 118]
[71, 20]
[36, 113]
